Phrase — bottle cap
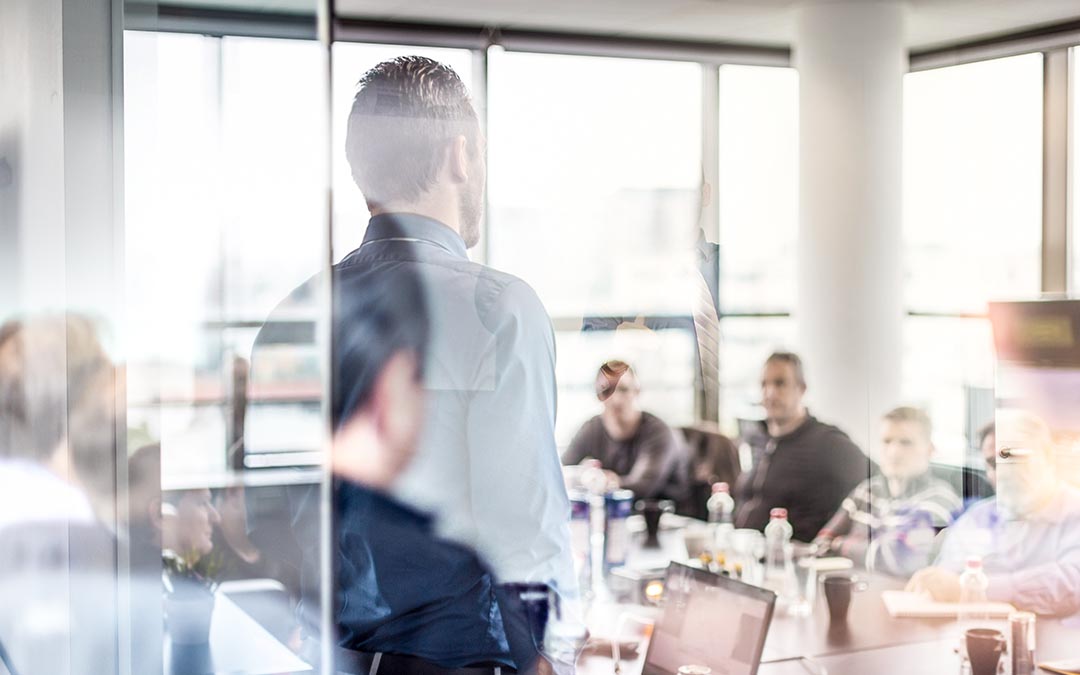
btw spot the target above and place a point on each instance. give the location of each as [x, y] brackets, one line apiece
[778, 513]
[720, 487]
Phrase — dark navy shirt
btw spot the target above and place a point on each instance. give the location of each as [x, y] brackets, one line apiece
[401, 589]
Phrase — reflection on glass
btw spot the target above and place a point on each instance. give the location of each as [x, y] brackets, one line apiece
[225, 216]
[58, 516]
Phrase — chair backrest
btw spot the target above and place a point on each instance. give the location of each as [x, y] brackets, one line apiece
[712, 458]
[968, 482]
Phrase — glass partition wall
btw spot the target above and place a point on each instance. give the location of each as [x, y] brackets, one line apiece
[227, 249]
[649, 204]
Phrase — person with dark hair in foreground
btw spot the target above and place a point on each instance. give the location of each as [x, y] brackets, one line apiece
[637, 450]
[799, 463]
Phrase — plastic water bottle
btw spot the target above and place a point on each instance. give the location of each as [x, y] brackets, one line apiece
[779, 568]
[720, 505]
[721, 509]
[973, 584]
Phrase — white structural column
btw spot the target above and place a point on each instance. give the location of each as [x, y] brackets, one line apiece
[851, 60]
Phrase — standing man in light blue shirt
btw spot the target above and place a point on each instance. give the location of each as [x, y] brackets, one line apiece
[487, 467]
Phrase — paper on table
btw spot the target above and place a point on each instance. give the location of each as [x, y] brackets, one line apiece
[901, 604]
[833, 564]
[1063, 667]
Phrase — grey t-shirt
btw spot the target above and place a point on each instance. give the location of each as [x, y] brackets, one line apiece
[651, 463]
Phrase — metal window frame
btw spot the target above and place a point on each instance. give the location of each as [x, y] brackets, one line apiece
[1053, 40]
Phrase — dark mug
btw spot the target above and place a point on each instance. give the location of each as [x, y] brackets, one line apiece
[838, 591]
[651, 510]
[984, 647]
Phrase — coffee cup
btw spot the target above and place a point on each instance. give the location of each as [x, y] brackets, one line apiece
[839, 589]
[984, 649]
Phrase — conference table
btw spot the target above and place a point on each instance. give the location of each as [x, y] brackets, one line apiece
[238, 644]
[871, 640]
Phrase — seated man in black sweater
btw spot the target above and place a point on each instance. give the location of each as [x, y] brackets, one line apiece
[635, 448]
[799, 463]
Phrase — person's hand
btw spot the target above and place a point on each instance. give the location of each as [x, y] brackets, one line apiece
[613, 480]
[940, 584]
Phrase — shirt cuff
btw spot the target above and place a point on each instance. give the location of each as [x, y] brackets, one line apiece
[1002, 588]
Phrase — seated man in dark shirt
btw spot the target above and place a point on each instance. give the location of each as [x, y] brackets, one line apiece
[799, 463]
[637, 450]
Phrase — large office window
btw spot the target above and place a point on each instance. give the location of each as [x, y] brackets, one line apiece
[972, 229]
[757, 198]
[224, 194]
[594, 200]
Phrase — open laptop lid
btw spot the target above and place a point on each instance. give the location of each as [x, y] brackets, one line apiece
[709, 620]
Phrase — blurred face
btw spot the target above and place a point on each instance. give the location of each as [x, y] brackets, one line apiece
[622, 405]
[191, 528]
[378, 443]
[989, 454]
[781, 392]
[905, 450]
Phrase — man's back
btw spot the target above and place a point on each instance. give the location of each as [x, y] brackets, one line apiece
[487, 467]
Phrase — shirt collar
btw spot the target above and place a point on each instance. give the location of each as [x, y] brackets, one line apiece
[807, 422]
[389, 226]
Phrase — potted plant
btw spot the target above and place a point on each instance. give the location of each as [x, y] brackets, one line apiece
[189, 596]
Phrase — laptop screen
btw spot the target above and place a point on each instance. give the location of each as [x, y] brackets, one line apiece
[709, 620]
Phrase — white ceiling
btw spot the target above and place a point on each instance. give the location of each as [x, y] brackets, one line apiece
[931, 23]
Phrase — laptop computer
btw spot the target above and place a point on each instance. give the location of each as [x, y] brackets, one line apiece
[709, 620]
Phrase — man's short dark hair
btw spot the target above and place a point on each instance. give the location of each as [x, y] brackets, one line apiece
[984, 431]
[403, 116]
[792, 359]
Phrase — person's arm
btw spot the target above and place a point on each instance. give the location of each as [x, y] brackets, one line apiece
[838, 526]
[580, 447]
[657, 452]
[517, 495]
[1052, 588]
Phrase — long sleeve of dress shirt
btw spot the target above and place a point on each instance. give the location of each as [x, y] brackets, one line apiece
[518, 497]
[658, 451]
[1033, 563]
[1052, 588]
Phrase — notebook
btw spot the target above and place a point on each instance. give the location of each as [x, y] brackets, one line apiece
[901, 604]
[1066, 667]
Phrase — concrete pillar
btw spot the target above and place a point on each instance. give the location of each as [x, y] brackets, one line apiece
[851, 60]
